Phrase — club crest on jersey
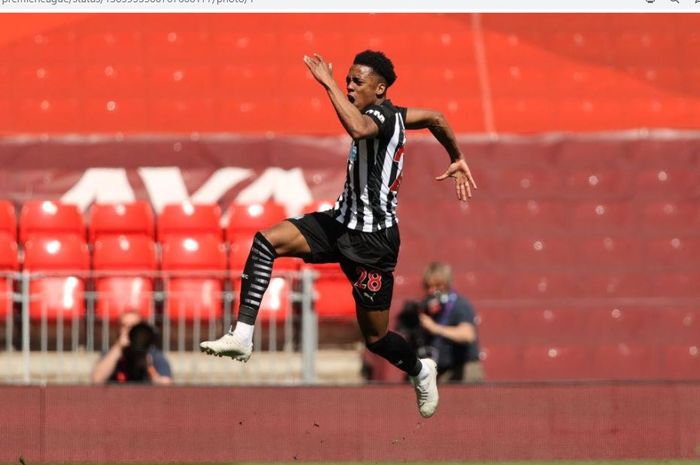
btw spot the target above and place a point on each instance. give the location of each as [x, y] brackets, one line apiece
[377, 114]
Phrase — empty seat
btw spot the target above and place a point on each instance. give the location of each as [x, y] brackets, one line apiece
[601, 217]
[124, 272]
[121, 218]
[247, 218]
[8, 219]
[679, 217]
[503, 362]
[545, 284]
[60, 292]
[8, 265]
[47, 217]
[190, 220]
[674, 252]
[598, 183]
[604, 252]
[532, 215]
[528, 183]
[614, 284]
[680, 361]
[539, 252]
[499, 325]
[552, 325]
[558, 362]
[626, 360]
[194, 270]
[667, 183]
[678, 325]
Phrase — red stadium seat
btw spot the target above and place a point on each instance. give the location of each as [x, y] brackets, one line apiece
[614, 284]
[674, 252]
[500, 326]
[190, 220]
[8, 219]
[676, 284]
[621, 323]
[528, 183]
[117, 261]
[671, 216]
[602, 217]
[598, 183]
[61, 295]
[539, 252]
[552, 325]
[545, 284]
[47, 217]
[503, 362]
[667, 183]
[554, 362]
[8, 265]
[194, 268]
[605, 252]
[244, 219]
[680, 361]
[626, 360]
[532, 215]
[678, 324]
[121, 218]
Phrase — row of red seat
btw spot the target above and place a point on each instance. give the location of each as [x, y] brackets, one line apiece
[194, 270]
[590, 325]
[41, 217]
[672, 360]
[50, 217]
[124, 259]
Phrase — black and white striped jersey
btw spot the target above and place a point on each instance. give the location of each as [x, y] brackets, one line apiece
[369, 198]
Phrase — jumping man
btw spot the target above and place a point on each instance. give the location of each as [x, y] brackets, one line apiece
[361, 231]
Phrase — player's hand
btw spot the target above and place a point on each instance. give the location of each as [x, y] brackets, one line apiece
[322, 71]
[464, 182]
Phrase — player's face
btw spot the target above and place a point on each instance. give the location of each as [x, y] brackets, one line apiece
[363, 86]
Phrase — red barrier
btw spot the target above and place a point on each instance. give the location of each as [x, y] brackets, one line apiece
[214, 424]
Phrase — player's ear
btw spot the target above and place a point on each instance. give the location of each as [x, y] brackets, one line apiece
[381, 88]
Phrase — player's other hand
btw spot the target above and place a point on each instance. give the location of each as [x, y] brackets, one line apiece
[322, 71]
[464, 182]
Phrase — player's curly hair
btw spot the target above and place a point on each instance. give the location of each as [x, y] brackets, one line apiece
[379, 63]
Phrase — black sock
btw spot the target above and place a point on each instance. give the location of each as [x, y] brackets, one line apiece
[255, 278]
[396, 350]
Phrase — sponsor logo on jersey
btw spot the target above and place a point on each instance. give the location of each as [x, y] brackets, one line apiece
[377, 114]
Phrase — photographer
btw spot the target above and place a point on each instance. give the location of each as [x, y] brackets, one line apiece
[442, 326]
[133, 358]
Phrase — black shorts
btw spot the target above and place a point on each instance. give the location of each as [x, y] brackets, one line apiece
[367, 259]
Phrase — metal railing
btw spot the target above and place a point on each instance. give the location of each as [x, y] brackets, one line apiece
[43, 345]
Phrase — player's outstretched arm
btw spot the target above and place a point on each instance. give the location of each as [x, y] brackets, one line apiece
[355, 123]
[417, 118]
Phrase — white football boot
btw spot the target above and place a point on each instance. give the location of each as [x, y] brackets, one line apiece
[426, 389]
[228, 345]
